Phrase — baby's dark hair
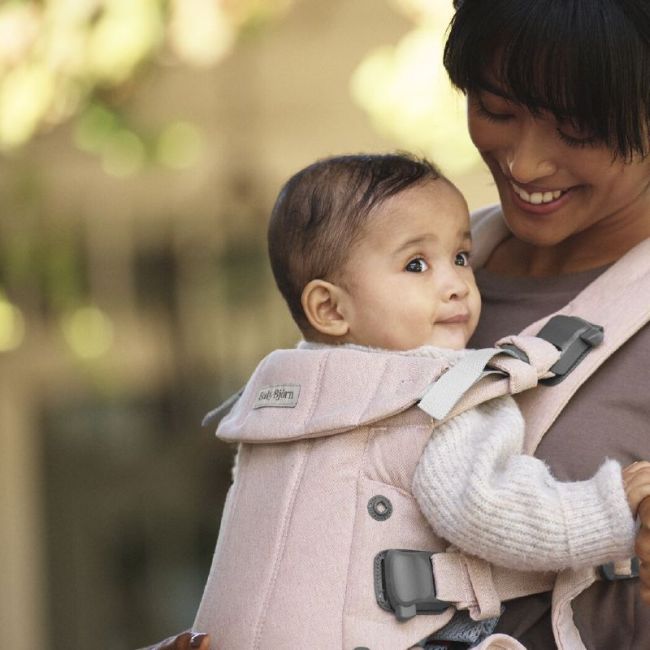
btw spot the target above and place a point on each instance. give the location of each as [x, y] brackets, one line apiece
[585, 61]
[321, 212]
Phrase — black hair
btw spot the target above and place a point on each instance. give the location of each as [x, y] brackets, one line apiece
[585, 61]
[322, 210]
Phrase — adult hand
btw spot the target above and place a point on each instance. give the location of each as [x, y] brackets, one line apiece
[184, 641]
[642, 549]
[636, 479]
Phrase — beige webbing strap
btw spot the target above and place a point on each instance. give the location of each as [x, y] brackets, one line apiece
[513, 374]
[446, 391]
[473, 584]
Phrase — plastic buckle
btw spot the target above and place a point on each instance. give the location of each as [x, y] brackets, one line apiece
[404, 584]
[608, 571]
[574, 337]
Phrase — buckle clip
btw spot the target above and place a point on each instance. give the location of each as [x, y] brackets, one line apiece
[609, 571]
[574, 337]
[404, 584]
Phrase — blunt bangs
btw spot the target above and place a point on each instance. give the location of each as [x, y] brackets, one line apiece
[585, 61]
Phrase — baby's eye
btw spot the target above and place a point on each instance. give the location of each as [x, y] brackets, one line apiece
[462, 259]
[417, 265]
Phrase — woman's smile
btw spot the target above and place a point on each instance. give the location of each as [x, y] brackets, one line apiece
[542, 201]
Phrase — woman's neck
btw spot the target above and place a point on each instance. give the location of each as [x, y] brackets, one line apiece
[599, 246]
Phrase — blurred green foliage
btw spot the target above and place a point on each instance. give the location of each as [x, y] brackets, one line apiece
[65, 58]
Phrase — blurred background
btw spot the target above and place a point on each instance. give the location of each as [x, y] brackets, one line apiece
[143, 143]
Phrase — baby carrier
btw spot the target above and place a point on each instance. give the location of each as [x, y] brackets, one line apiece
[322, 544]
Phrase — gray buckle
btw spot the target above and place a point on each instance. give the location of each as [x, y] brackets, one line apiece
[404, 584]
[608, 571]
[572, 336]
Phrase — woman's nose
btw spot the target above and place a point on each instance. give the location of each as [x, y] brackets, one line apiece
[531, 157]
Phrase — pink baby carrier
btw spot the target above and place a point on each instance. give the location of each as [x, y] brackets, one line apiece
[329, 441]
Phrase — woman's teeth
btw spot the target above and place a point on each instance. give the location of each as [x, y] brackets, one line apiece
[537, 198]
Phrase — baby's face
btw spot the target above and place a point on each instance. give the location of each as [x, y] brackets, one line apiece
[408, 281]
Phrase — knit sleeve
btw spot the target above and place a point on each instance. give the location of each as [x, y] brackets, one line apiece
[482, 494]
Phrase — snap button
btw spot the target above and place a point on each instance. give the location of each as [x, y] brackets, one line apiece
[380, 508]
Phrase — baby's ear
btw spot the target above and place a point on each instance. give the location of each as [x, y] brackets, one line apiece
[321, 304]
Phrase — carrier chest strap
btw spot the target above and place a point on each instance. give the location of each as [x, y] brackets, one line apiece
[411, 582]
[473, 584]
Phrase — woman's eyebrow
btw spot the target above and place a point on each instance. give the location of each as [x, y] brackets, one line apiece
[486, 86]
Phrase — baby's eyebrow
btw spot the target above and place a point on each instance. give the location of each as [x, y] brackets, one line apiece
[414, 241]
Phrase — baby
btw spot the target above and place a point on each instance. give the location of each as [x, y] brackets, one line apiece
[372, 254]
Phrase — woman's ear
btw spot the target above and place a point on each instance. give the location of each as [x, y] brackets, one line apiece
[321, 304]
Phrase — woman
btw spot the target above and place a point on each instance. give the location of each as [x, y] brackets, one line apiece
[558, 106]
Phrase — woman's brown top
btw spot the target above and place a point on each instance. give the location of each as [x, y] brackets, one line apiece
[609, 417]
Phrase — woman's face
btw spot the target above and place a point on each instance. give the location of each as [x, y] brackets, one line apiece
[554, 181]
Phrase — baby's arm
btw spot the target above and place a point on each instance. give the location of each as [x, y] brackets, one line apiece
[481, 493]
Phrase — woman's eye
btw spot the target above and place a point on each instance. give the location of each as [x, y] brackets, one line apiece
[491, 114]
[417, 265]
[462, 259]
[573, 141]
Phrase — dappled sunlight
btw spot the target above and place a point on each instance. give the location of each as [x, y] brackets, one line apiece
[12, 325]
[88, 331]
[57, 55]
[406, 93]
[179, 145]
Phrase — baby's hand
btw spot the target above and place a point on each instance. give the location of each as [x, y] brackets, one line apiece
[642, 549]
[636, 479]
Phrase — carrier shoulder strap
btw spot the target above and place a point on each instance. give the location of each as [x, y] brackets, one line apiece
[619, 300]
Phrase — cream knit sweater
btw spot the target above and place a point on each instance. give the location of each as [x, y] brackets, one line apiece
[479, 491]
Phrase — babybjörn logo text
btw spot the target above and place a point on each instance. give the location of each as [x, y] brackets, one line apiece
[280, 396]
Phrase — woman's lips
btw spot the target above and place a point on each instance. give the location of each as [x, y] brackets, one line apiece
[536, 196]
[539, 201]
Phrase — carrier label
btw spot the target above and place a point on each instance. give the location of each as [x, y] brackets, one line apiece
[280, 396]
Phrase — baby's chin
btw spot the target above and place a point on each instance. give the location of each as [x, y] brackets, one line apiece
[445, 342]
[450, 337]
[455, 339]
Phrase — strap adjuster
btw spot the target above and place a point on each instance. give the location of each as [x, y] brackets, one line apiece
[572, 336]
[404, 584]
